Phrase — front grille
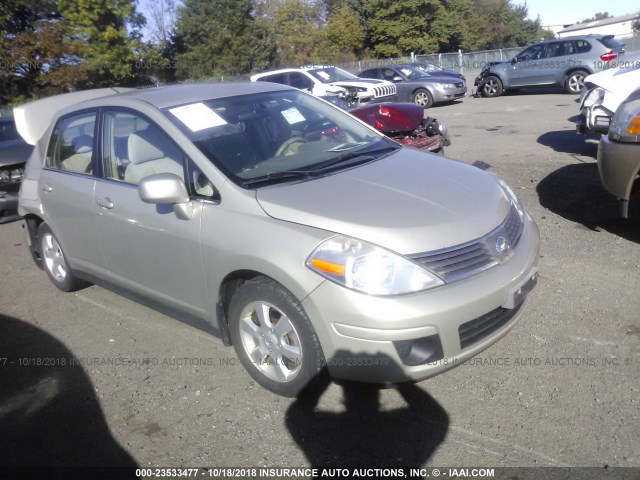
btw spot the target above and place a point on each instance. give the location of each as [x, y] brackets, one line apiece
[497, 247]
[11, 175]
[479, 328]
[384, 91]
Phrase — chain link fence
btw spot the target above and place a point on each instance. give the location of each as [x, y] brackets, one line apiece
[468, 63]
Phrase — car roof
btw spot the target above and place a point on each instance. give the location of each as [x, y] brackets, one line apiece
[162, 97]
[33, 118]
[304, 68]
[592, 36]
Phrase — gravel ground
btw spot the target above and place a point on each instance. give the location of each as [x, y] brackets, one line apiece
[560, 390]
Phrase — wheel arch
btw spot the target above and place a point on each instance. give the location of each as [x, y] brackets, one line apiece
[577, 68]
[230, 284]
[33, 222]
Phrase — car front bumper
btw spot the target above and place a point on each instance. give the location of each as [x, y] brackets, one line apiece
[8, 206]
[619, 165]
[390, 340]
[441, 95]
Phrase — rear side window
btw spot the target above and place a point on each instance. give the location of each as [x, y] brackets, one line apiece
[611, 42]
[300, 80]
[275, 78]
[373, 73]
[583, 46]
[71, 144]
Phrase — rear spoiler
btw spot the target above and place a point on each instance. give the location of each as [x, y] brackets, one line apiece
[33, 118]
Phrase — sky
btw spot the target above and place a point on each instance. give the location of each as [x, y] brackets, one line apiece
[562, 12]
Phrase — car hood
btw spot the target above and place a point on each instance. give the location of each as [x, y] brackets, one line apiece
[436, 79]
[619, 84]
[362, 83]
[14, 152]
[409, 202]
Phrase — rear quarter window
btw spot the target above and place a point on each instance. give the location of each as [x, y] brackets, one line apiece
[611, 42]
[583, 46]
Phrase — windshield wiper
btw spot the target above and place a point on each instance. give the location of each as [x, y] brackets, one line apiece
[283, 175]
[352, 158]
[348, 159]
[347, 146]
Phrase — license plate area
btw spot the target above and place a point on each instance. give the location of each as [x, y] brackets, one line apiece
[518, 293]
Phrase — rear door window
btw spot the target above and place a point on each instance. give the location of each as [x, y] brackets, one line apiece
[71, 145]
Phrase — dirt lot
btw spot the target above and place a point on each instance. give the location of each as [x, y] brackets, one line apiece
[562, 389]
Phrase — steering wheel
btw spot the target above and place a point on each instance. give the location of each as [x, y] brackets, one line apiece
[288, 147]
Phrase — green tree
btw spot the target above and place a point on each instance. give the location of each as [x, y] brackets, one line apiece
[301, 37]
[396, 27]
[107, 32]
[36, 51]
[345, 32]
[221, 38]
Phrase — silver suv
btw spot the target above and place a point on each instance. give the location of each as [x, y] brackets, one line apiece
[561, 62]
[268, 217]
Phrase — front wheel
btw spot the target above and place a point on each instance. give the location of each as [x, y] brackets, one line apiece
[492, 87]
[55, 263]
[422, 97]
[273, 337]
[575, 82]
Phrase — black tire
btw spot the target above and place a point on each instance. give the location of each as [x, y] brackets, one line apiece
[55, 263]
[574, 84]
[273, 337]
[422, 97]
[492, 87]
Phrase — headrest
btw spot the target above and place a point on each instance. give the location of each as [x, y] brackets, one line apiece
[146, 145]
[83, 144]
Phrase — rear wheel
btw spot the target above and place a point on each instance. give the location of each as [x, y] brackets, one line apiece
[422, 97]
[575, 81]
[55, 263]
[492, 87]
[273, 337]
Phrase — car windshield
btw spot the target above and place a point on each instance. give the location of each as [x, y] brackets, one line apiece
[275, 136]
[411, 72]
[8, 130]
[428, 67]
[331, 74]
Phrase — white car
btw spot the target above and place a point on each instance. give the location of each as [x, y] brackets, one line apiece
[603, 94]
[324, 81]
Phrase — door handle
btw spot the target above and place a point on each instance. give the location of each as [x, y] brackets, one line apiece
[46, 188]
[105, 203]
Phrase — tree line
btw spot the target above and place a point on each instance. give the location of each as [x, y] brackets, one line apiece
[53, 46]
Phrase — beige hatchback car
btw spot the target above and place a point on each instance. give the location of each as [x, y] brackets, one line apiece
[268, 217]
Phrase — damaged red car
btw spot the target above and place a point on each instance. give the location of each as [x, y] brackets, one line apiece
[403, 122]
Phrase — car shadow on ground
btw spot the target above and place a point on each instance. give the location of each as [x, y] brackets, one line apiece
[568, 141]
[574, 192]
[50, 417]
[364, 434]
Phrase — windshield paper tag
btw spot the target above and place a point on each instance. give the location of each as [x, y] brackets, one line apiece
[197, 116]
[324, 75]
[293, 115]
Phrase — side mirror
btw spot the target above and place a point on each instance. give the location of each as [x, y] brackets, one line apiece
[396, 79]
[514, 60]
[167, 189]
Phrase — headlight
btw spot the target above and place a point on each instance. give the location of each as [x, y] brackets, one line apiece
[444, 85]
[515, 201]
[625, 126]
[367, 268]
